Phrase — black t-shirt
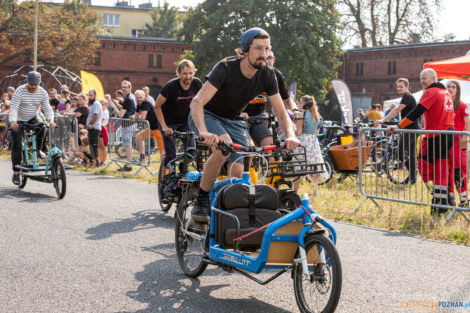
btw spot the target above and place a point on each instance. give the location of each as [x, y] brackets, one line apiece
[151, 117]
[410, 103]
[84, 111]
[258, 105]
[54, 103]
[129, 105]
[176, 107]
[234, 90]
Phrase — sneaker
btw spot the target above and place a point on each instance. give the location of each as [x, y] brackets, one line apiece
[200, 211]
[125, 169]
[15, 179]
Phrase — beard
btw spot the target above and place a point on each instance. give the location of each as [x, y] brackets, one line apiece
[187, 82]
[258, 65]
[91, 101]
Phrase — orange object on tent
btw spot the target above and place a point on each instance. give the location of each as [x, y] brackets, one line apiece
[456, 68]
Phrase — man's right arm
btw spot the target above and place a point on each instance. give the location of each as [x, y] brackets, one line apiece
[159, 113]
[197, 112]
[391, 115]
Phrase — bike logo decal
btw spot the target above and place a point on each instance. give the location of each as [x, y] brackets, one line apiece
[234, 259]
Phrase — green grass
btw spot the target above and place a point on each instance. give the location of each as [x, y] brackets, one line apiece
[337, 201]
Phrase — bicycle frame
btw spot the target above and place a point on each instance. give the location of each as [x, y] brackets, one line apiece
[248, 263]
[54, 152]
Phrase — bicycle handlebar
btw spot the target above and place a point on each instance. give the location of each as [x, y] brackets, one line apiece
[183, 135]
[231, 147]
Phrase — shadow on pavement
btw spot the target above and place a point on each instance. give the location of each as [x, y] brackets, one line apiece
[25, 196]
[165, 288]
[141, 220]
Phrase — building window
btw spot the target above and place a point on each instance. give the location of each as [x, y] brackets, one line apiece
[111, 20]
[359, 69]
[96, 59]
[138, 32]
[392, 67]
[155, 61]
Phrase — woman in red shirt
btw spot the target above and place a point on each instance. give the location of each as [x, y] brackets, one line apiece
[458, 168]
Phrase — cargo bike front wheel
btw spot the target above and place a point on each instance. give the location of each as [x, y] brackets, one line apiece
[319, 289]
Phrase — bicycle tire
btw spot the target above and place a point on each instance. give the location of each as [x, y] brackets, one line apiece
[164, 205]
[329, 173]
[397, 172]
[183, 241]
[23, 180]
[320, 273]
[377, 154]
[59, 178]
[289, 200]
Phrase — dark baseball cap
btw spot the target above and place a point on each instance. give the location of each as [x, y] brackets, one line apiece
[34, 78]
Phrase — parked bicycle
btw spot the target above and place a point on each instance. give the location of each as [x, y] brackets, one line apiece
[248, 232]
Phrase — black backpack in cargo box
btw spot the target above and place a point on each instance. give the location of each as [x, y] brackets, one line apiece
[253, 205]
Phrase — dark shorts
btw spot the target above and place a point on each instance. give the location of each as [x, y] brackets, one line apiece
[220, 125]
[258, 131]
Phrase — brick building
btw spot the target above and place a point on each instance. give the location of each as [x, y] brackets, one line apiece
[143, 61]
[371, 72]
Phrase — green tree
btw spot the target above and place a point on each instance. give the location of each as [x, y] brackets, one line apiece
[165, 22]
[303, 35]
[66, 33]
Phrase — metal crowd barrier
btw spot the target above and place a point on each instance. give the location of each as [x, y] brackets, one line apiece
[126, 141]
[65, 135]
[416, 167]
[4, 125]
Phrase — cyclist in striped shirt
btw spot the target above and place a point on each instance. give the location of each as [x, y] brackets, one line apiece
[25, 105]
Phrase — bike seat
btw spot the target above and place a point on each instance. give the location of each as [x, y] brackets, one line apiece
[253, 205]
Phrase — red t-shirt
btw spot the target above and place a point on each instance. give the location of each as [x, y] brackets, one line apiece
[439, 114]
[460, 113]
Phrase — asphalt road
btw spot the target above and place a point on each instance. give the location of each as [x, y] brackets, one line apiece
[106, 247]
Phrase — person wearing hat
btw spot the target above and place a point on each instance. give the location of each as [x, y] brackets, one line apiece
[10, 92]
[27, 100]
[216, 109]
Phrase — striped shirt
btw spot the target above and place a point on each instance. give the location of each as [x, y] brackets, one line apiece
[25, 105]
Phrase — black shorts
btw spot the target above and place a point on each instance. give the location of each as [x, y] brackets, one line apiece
[259, 130]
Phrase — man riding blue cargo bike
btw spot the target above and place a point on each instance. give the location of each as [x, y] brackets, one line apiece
[238, 226]
[215, 111]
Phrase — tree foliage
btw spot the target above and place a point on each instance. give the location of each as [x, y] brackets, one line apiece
[165, 22]
[303, 35]
[66, 33]
[388, 22]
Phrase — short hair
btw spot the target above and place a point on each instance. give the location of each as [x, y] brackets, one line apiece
[52, 89]
[119, 91]
[82, 95]
[403, 80]
[92, 91]
[127, 82]
[185, 63]
[145, 87]
[139, 92]
[431, 71]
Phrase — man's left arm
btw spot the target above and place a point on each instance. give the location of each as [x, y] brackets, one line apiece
[47, 109]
